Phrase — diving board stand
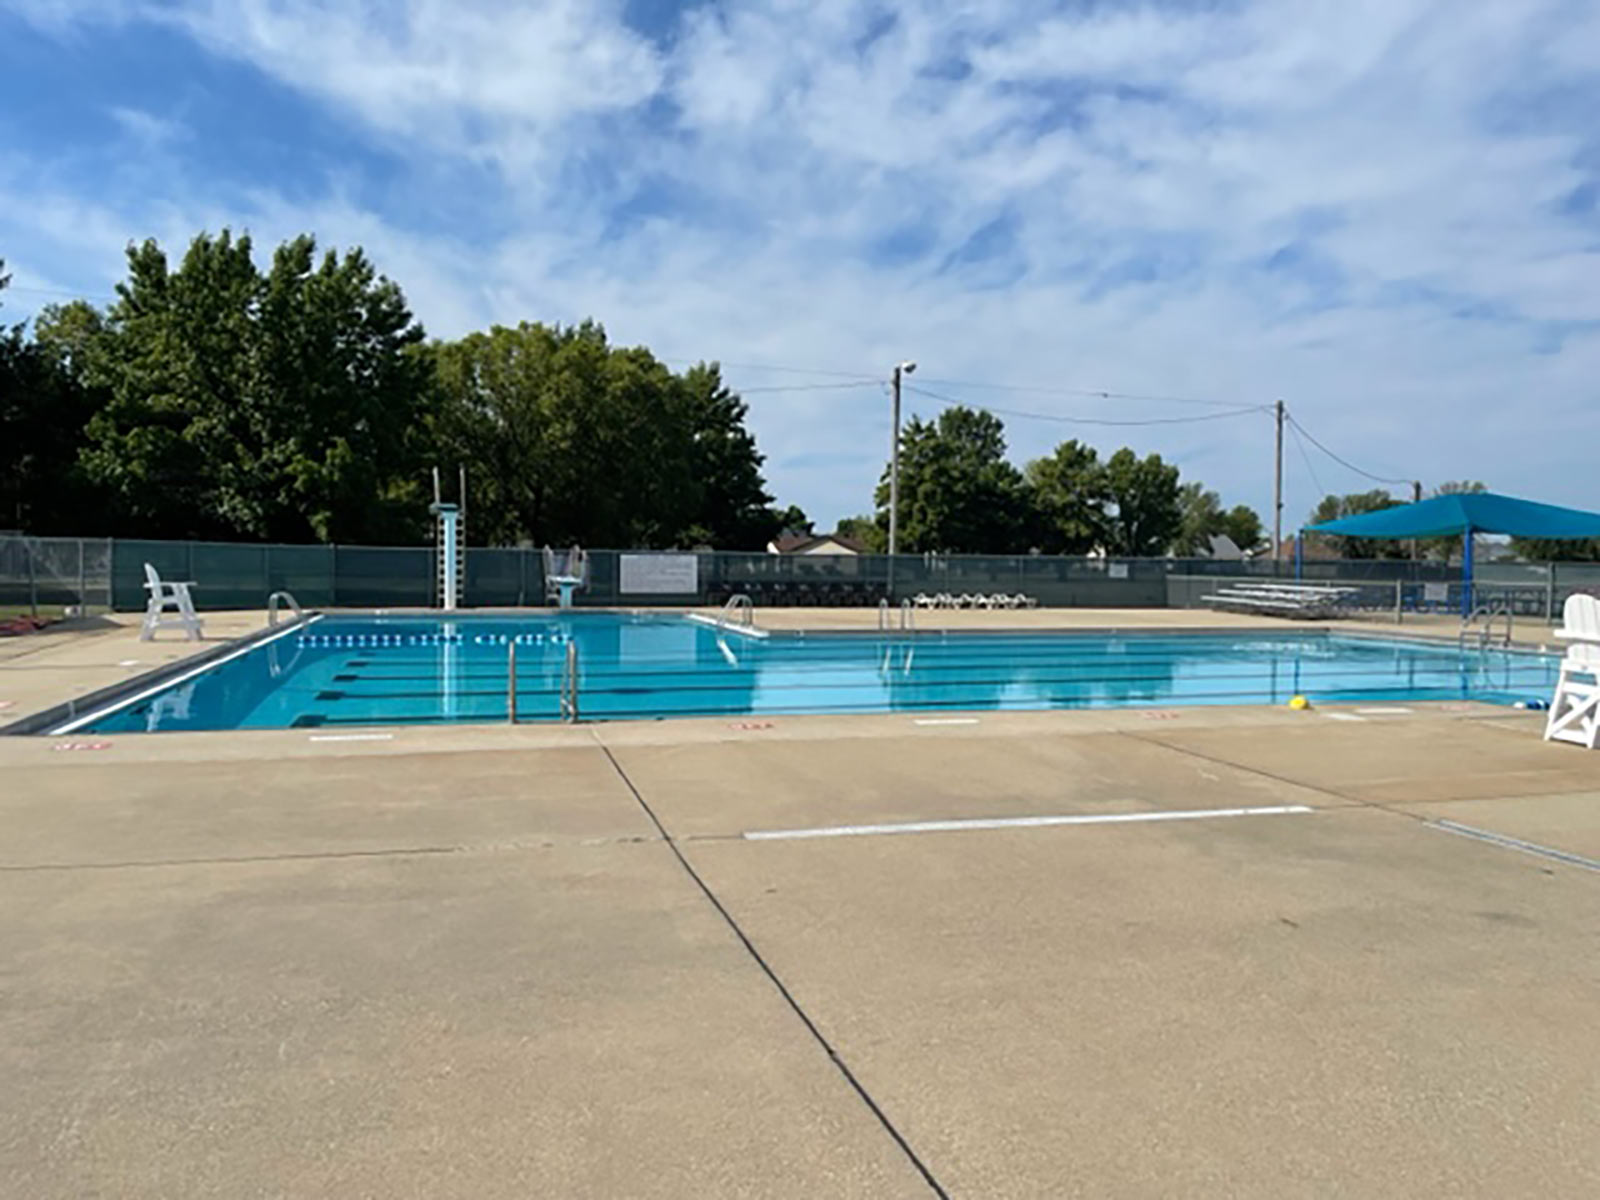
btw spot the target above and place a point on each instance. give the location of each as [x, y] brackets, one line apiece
[565, 574]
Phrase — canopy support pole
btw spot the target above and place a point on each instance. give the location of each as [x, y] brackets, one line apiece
[1466, 572]
[1299, 556]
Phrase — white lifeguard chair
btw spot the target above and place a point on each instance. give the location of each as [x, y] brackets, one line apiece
[164, 595]
[1575, 707]
[564, 574]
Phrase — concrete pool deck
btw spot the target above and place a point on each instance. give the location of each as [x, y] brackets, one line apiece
[487, 961]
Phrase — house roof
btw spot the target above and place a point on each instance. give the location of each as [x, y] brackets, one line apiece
[791, 542]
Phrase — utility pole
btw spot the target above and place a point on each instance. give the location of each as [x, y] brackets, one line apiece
[1277, 488]
[904, 368]
[1416, 498]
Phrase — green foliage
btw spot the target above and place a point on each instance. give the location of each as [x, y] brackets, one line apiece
[1243, 524]
[867, 530]
[958, 494]
[1203, 518]
[1143, 493]
[734, 507]
[569, 439]
[1068, 494]
[43, 410]
[1540, 550]
[792, 519]
[1333, 508]
[279, 406]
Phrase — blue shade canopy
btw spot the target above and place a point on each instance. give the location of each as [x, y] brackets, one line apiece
[1479, 512]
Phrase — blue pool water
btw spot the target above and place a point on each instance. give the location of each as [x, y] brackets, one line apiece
[339, 672]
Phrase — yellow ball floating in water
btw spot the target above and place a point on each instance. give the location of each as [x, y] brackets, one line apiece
[1299, 702]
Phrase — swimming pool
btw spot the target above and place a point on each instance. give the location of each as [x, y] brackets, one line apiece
[343, 671]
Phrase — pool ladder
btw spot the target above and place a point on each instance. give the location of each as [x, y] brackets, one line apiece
[908, 616]
[1484, 633]
[568, 704]
[287, 598]
[739, 605]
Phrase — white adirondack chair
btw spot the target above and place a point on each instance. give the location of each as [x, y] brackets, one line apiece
[1575, 708]
[166, 595]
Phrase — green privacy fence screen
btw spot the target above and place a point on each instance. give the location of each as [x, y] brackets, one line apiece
[103, 573]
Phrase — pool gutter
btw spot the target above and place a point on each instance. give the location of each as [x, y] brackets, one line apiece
[69, 715]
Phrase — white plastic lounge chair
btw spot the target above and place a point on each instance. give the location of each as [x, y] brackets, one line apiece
[1575, 708]
[165, 595]
[923, 600]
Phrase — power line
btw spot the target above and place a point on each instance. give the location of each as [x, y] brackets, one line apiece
[809, 387]
[1306, 458]
[1098, 393]
[1344, 462]
[1035, 416]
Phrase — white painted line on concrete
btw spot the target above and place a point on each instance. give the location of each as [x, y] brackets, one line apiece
[1511, 843]
[351, 737]
[95, 714]
[830, 831]
[1341, 716]
[1386, 711]
[946, 721]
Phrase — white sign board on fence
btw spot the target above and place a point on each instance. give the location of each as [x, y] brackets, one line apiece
[1436, 593]
[1118, 570]
[660, 574]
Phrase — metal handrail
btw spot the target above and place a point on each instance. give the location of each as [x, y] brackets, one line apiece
[883, 615]
[272, 607]
[1485, 632]
[738, 603]
[908, 616]
[569, 684]
[511, 682]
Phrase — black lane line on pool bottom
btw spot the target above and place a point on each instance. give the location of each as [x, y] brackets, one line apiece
[811, 1026]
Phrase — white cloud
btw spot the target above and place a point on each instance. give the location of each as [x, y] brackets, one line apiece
[795, 183]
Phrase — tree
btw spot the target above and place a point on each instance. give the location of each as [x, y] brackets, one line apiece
[864, 529]
[1144, 494]
[1243, 525]
[1204, 519]
[1334, 508]
[570, 439]
[958, 494]
[1201, 519]
[281, 406]
[43, 410]
[1067, 492]
[792, 519]
[734, 509]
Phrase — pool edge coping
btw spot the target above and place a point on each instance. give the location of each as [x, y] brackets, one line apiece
[50, 721]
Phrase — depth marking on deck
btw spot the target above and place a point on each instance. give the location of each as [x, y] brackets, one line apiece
[959, 826]
[1511, 843]
[351, 737]
[945, 721]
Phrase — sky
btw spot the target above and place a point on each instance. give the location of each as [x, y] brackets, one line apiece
[1385, 213]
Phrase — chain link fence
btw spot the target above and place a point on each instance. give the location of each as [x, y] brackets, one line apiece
[59, 574]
